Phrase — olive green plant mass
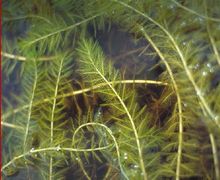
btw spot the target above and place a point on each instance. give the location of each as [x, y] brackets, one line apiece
[110, 89]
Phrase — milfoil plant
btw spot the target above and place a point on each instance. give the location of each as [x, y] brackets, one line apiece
[72, 109]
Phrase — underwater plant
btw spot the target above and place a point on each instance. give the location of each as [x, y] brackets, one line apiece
[115, 89]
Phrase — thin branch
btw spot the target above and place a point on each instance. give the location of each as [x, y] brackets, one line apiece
[27, 16]
[129, 53]
[214, 47]
[9, 125]
[53, 114]
[63, 29]
[215, 156]
[31, 104]
[22, 58]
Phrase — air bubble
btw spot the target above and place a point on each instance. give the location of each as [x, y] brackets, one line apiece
[136, 166]
[211, 70]
[58, 148]
[199, 93]
[209, 65]
[115, 160]
[204, 73]
[196, 66]
[125, 156]
[199, 20]
[183, 23]
[171, 6]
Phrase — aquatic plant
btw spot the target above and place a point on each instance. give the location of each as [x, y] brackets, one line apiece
[111, 89]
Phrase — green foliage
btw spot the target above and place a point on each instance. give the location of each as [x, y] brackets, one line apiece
[69, 111]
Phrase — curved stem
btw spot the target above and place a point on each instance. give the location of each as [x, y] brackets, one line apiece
[183, 60]
[179, 101]
[112, 136]
[141, 161]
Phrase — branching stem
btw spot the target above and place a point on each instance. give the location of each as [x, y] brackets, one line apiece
[128, 114]
[31, 104]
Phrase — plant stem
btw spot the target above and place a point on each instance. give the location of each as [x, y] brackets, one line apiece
[196, 13]
[22, 58]
[180, 53]
[63, 29]
[31, 104]
[9, 125]
[215, 156]
[179, 103]
[74, 93]
[112, 136]
[129, 116]
[34, 151]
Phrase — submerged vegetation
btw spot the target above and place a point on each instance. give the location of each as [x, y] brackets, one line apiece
[111, 89]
